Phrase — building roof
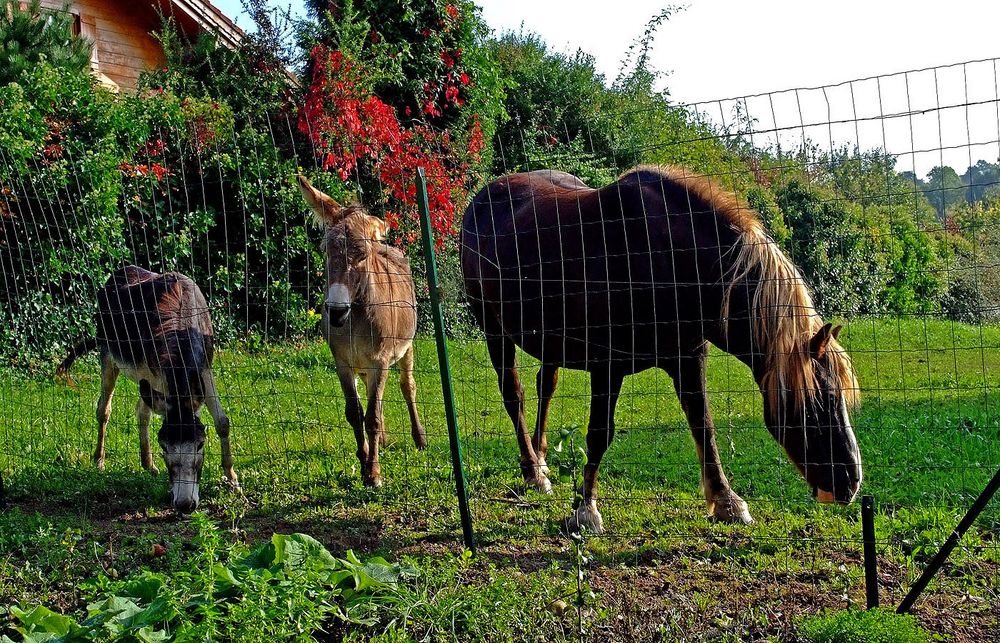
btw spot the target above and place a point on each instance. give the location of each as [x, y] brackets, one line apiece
[206, 16]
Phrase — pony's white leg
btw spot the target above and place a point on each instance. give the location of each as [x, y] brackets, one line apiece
[221, 421]
[143, 414]
[109, 376]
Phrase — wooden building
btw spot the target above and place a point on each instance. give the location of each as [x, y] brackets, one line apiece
[122, 32]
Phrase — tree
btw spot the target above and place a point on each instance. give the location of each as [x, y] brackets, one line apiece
[945, 189]
[980, 178]
[33, 34]
[393, 86]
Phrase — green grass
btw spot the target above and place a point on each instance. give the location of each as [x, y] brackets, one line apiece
[928, 430]
[851, 626]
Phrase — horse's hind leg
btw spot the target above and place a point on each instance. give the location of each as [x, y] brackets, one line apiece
[408, 385]
[142, 415]
[548, 376]
[605, 387]
[688, 373]
[109, 376]
[501, 349]
[221, 421]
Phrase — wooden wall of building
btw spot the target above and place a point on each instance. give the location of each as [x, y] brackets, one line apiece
[122, 32]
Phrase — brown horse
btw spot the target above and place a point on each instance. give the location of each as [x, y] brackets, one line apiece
[370, 318]
[645, 273]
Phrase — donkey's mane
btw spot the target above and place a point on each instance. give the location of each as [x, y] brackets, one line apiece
[782, 313]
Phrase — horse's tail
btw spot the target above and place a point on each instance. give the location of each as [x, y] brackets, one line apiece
[77, 351]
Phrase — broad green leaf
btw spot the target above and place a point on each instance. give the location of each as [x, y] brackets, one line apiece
[300, 552]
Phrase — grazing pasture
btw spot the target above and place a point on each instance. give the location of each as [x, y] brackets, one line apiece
[928, 431]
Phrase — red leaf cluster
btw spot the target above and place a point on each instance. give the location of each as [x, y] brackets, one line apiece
[352, 129]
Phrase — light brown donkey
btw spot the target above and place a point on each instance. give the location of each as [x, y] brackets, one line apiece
[369, 317]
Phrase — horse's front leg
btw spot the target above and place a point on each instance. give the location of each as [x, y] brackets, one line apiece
[688, 373]
[221, 421]
[374, 425]
[355, 414]
[604, 390]
[503, 355]
[548, 376]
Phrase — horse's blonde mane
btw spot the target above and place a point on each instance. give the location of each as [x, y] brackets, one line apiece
[783, 316]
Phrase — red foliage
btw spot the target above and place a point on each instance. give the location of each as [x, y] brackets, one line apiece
[351, 127]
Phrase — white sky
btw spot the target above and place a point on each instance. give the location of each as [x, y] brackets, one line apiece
[715, 49]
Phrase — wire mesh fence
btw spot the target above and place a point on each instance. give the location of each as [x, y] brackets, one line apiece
[629, 283]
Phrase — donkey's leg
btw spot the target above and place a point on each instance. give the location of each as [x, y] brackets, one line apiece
[374, 425]
[383, 437]
[142, 415]
[408, 385]
[604, 389]
[352, 408]
[688, 373]
[221, 421]
[109, 376]
[548, 376]
[504, 360]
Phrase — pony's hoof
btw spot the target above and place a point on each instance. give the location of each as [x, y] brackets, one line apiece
[541, 483]
[543, 467]
[153, 471]
[730, 508]
[586, 517]
[99, 463]
[374, 482]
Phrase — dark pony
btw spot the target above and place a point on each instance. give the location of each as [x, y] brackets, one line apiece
[645, 273]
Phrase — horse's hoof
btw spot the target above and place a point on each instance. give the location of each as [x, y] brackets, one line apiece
[153, 471]
[541, 483]
[543, 467]
[586, 517]
[99, 463]
[730, 508]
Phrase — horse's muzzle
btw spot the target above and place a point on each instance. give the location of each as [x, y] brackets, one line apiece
[845, 497]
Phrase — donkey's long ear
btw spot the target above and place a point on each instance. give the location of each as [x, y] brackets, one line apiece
[325, 208]
[818, 344]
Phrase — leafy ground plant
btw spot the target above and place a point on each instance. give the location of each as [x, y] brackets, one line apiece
[291, 586]
[856, 626]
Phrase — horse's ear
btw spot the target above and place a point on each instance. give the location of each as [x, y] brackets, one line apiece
[836, 331]
[820, 341]
[323, 206]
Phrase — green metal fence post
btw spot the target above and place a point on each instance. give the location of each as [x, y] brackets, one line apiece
[442, 347]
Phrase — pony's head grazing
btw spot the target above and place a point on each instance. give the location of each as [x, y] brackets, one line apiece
[805, 376]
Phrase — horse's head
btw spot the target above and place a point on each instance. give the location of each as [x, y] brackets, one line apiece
[809, 394]
[182, 438]
[350, 236]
